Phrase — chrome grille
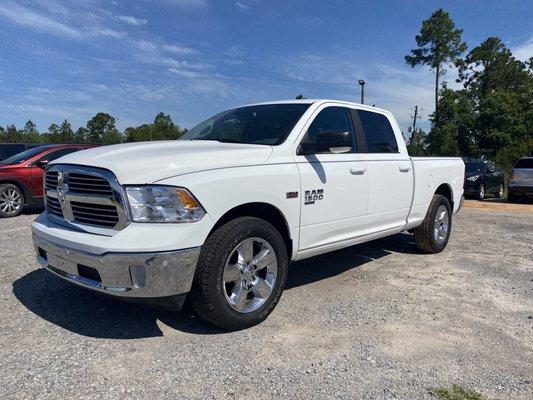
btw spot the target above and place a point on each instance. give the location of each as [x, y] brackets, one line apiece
[84, 196]
[53, 206]
[94, 213]
[82, 183]
[50, 180]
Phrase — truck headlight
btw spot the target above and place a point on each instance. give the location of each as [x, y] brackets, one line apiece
[472, 178]
[163, 204]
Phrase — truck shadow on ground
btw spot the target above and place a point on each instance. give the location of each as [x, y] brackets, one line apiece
[94, 315]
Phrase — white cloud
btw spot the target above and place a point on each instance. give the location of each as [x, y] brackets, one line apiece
[178, 49]
[132, 20]
[145, 45]
[241, 6]
[25, 17]
[523, 51]
[107, 33]
[188, 4]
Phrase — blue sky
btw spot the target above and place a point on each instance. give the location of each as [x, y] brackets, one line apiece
[190, 58]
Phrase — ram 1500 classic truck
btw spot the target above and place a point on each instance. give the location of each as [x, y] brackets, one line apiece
[219, 214]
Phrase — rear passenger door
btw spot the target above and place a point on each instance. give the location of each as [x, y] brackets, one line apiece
[390, 174]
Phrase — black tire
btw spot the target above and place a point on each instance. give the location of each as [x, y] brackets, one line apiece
[9, 194]
[425, 234]
[208, 294]
[481, 193]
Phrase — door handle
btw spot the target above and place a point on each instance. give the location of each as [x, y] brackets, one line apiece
[357, 170]
[404, 168]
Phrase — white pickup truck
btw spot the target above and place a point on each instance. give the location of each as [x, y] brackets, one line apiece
[220, 213]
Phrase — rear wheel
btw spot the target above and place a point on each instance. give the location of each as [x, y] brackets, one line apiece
[11, 201]
[432, 236]
[481, 192]
[499, 194]
[241, 274]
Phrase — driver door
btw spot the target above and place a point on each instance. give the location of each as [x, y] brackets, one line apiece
[334, 187]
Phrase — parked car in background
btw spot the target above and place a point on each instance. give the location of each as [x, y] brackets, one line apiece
[9, 149]
[482, 177]
[21, 176]
[521, 183]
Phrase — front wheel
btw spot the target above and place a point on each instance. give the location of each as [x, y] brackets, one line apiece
[432, 236]
[240, 274]
[11, 201]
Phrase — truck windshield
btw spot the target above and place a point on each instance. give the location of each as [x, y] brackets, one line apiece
[25, 155]
[268, 124]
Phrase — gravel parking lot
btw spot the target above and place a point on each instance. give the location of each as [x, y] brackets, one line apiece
[374, 321]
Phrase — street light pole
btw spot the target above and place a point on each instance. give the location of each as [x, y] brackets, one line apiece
[362, 83]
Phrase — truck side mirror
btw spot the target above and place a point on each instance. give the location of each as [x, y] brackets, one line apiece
[328, 141]
[42, 163]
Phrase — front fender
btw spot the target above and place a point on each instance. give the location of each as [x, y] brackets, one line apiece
[224, 189]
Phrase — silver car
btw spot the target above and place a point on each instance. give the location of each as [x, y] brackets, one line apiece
[521, 183]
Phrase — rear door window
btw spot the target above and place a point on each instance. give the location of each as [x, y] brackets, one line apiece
[378, 132]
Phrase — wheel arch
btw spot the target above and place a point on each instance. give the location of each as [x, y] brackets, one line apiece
[264, 211]
[446, 191]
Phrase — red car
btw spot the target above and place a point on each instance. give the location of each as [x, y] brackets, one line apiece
[21, 176]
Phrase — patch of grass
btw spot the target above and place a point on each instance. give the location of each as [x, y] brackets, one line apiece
[457, 392]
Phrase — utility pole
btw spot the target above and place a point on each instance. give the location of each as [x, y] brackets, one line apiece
[362, 83]
[414, 118]
[413, 131]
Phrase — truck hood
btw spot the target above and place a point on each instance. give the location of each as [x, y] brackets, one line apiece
[149, 162]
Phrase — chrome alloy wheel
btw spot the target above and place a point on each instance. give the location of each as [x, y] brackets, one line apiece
[500, 192]
[442, 223]
[250, 275]
[10, 201]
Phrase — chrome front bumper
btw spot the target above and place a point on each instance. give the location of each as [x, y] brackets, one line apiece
[129, 275]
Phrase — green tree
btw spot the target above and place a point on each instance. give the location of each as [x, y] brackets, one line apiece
[2, 135]
[439, 44]
[54, 134]
[491, 66]
[30, 132]
[80, 136]
[101, 129]
[66, 133]
[417, 143]
[163, 128]
[453, 133]
[13, 135]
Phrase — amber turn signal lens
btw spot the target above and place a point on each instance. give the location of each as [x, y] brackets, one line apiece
[186, 199]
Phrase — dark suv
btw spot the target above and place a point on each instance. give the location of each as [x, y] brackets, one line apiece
[521, 183]
[482, 178]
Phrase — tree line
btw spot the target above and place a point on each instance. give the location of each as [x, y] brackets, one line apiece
[100, 129]
[491, 114]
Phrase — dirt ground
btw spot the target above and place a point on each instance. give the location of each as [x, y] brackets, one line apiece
[374, 321]
[498, 205]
